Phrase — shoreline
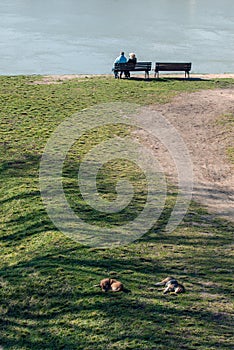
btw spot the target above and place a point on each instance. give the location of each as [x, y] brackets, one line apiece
[192, 75]
[59, 78]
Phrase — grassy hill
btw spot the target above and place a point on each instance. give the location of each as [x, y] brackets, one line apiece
[47, 298]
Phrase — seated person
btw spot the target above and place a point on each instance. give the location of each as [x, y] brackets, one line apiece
[132, 59]
[120, 59]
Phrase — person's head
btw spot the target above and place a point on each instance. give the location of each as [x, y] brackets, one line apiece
[122, 53]
[132, 55]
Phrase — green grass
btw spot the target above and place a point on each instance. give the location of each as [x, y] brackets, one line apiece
[46, 280]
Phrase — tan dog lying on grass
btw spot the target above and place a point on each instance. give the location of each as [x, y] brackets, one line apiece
[172, 286]
[109, 284]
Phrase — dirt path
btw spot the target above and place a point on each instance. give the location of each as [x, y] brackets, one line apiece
[195, 116]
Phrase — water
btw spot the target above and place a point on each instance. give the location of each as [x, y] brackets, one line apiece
[81, 37]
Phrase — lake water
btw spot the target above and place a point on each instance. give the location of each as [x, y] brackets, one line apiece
[77, 36]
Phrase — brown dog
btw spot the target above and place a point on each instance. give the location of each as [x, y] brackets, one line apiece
[172, 286]
[111, 284]
[108, 284]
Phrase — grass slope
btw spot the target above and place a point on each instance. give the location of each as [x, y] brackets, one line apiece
[46, 280]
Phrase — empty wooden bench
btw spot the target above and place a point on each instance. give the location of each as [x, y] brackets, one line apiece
[172, 66]
[131, 67]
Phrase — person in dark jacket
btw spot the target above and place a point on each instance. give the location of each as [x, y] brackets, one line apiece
[132, 59]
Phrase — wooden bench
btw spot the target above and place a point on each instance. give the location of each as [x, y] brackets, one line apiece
[172, 66]
[131, 67]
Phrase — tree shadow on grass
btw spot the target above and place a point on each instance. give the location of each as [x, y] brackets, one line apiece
[24, 166]
[166, 79]
[49, 302]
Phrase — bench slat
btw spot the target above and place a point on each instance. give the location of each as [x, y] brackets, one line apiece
[130, 66]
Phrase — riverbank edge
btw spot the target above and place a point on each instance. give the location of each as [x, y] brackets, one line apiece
[192, 76]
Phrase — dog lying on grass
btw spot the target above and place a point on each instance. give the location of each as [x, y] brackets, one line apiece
[109, 284]
[172, 286]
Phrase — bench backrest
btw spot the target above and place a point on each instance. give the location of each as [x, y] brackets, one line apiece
[144, 66]
[172, 66]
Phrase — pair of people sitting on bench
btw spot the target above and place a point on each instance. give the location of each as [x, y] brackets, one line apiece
[122, 59]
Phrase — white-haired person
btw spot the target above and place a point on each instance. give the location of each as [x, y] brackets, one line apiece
[120, 59]
[133, 60]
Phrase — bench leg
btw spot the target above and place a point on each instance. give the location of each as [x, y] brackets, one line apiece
[146, 74]
[116, 74]
[127, 74]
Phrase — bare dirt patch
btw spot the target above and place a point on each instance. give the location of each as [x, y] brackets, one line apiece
[195, 116]
[59, 79]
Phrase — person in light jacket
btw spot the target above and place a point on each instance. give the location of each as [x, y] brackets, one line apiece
[120, 59]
